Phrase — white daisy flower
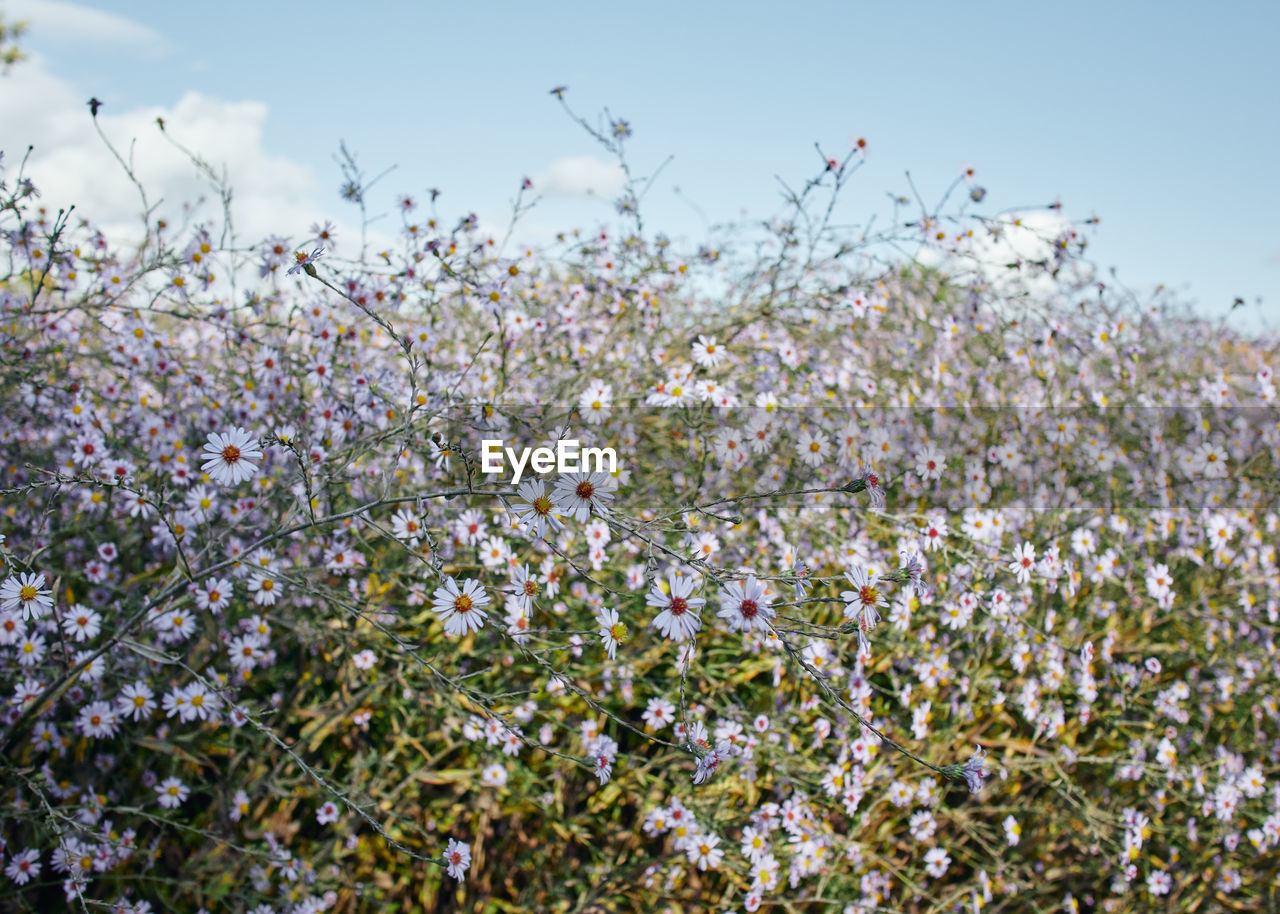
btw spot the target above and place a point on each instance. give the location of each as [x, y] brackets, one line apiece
[26, 592]
[579, 494]
[460, 608]
[228, 457]
[679, 617]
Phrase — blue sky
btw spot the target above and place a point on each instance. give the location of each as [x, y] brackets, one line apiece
[1159, 119]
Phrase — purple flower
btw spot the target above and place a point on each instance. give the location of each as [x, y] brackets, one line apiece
[708, 763]
[974, 770]
[800, 572]
[305, 262]
[914, 568]
[868, 481]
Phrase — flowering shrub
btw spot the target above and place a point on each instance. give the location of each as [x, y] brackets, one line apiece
[920, 582]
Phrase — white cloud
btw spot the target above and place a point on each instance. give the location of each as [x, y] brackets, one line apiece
[71, 165]
[1031, 237]
[58, 21]
[1025, 237]
[577, 176]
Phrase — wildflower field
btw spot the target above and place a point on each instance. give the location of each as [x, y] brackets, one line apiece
[914, 569]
